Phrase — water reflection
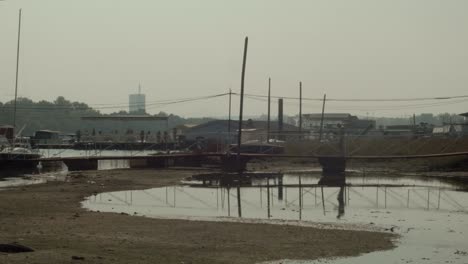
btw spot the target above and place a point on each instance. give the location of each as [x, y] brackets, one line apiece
[430, 214]
[309, 198]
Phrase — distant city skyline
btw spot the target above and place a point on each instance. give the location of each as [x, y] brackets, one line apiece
[97, 52]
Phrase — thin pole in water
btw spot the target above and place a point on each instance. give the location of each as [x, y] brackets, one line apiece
[300, 109]
[385, 190]
[17, 69]
[268, 197]
[438, 201]
[229, 202]
[323, 201]
[217, 198]
[286, 196]
[229, 121]
[377, 196]
[315, 196]
[300, 198]
[428, 197]
[261, 199]
[407, 201]
[321, 118]
[269, 105]
[239, 135]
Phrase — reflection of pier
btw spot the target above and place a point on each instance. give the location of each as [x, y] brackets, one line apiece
[271, 198]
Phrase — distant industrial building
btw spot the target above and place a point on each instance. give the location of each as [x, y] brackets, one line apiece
[252, 130]
[331, 122]
[47, 137]
[465, 116]
[137, 102]
[453, 129]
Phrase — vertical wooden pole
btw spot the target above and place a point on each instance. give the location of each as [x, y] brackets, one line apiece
[229, 201]
[377, 197]
[385, 190]
[239, 135]
[407, 201]
[323, 201]
[321, 118]
[300, 110]
[269, 105]
[268, 197]
[300, 198]
[229, 120]
[217, 198]
[438, 201]
[315, 196]
[17, 70]
[428, 197]
[166, 195]
[261, 197]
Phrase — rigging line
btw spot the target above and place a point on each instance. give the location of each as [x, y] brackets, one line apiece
[372, 108]
[391, 108]
[364, 100]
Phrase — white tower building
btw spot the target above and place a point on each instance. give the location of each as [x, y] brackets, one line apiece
[137, 102]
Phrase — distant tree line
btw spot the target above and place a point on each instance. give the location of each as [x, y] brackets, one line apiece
[65, 116]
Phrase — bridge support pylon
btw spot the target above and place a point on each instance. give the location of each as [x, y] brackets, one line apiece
[332, 165]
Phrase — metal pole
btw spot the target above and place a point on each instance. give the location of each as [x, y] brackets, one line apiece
[385, 190]
[261, 199]
[407, 201]
[268, 197]
[217, 198]
[239, 135]
[268, 119]
[315, 196]
[323, 201]
[321, 118]
[17, 69]
[229, 201]
[428, 197]
[300, 109]
[229, 121]
[300, 198]
[286, 196]
[377, 196]
[438, 201]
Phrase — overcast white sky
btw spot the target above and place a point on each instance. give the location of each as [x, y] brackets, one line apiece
[97, 51]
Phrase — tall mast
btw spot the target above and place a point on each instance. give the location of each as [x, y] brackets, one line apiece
[300, 109]
[17, 69]
[268, 118]
[322, 117]
[229, 121]
[239, 135]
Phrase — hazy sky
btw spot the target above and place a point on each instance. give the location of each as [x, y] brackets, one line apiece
[97, 51]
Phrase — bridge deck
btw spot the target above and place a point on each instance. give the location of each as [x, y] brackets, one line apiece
[254, 155]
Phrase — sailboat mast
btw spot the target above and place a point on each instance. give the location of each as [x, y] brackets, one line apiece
[17, 69]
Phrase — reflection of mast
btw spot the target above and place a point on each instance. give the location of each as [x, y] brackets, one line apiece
[17, 67]
[341, 203]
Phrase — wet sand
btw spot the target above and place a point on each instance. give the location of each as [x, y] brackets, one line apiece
[49, 218]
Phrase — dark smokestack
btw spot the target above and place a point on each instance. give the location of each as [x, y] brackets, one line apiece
[280, 116]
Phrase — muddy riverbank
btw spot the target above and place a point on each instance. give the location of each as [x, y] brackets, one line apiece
[49, 218]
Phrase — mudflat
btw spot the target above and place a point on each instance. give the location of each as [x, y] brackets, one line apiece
[49, 218]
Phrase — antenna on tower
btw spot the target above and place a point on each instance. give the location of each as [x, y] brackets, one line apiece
[139, 88]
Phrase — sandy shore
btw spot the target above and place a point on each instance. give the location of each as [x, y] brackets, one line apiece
[49, 218]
